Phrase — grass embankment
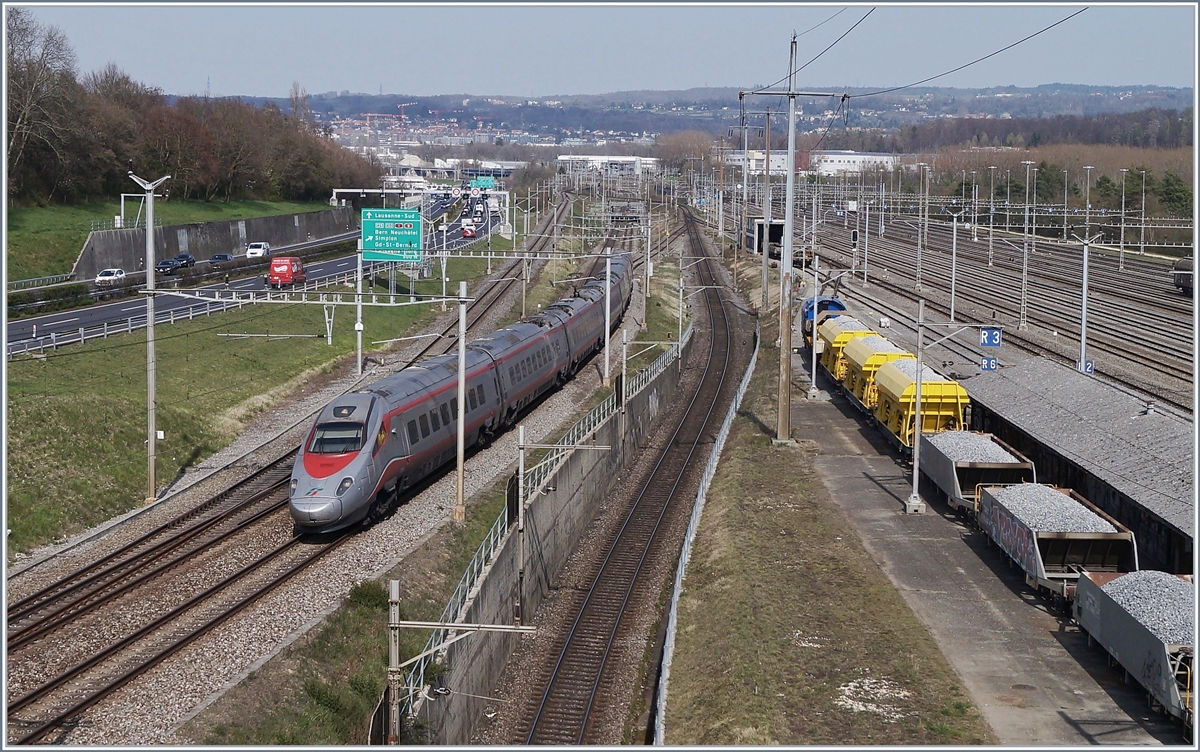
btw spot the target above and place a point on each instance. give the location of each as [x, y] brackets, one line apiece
[323, 688]
[788, 632]
[76, 430]
[46, 240]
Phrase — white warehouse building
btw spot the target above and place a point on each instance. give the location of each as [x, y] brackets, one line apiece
[573, 163]
[833, 162]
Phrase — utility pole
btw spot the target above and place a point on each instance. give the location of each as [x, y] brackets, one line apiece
[151, 361]
[766, 246]
[1025, 251]
[783, 433]
[721, 197]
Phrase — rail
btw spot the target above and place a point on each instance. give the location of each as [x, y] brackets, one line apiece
[534, 479]
[693, 524]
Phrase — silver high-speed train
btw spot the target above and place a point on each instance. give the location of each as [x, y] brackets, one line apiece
[370, 445]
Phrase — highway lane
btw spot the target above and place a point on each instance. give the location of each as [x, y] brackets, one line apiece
[117, 312]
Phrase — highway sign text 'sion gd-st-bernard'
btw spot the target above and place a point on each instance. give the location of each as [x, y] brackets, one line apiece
[391, 235]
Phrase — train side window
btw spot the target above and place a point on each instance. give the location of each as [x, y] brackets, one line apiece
[433, 418]
[482, 395]
[471, 396]
[512, 378]
[413, 437]
[454, 407]
[424, 419]
[445, 414]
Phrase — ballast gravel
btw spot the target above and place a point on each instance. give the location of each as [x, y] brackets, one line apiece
[969, 446]
[150, 709]
[1046, 510]
[1161, 602]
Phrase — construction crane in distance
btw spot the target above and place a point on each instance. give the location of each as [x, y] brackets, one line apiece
[401, 106]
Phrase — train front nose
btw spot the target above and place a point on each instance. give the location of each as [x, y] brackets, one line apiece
[316, 511]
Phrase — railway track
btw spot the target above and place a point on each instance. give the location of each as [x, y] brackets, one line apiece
[576, 682]
[145, 602]
[1147, 349]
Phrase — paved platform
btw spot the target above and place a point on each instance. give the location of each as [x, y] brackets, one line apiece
[1027, 667]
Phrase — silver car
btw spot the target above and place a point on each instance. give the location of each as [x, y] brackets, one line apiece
[110, 277]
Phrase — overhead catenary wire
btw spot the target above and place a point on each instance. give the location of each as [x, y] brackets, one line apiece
[822, 52]
[973, 62]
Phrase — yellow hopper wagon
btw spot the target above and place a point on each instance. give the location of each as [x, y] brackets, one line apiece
[833, 334]
[864, 356]
[943, 402]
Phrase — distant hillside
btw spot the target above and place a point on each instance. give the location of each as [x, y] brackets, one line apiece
[715, 109]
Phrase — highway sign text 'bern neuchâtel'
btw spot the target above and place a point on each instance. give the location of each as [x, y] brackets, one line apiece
[391, 235]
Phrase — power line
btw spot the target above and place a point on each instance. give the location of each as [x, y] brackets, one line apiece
[822, 52]
[973, 62]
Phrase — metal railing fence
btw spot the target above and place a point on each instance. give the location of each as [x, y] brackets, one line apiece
[710, 470]
[534, 479]
[25, 284]
[55, 339]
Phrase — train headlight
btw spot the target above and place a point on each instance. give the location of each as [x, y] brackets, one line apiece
[344, 486]
[294, 484]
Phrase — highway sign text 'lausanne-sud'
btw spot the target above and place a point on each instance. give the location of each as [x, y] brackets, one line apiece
[391, 235]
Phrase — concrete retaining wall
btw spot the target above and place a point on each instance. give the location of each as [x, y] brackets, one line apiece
[554, 522]
[126, 249]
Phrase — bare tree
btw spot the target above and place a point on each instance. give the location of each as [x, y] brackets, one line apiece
[41, 86]
[301, 113]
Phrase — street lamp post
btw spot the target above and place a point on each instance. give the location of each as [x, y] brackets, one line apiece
[1142, 240]
[1121, 262]
[1025, 250]
[1033, 232]
[151, 361]
[923, 197]
[991, 212]
[867, 241]
[1064, 206]
[1008, 195]
[1081, 366]
[1087, 200]
[954, 257]
[459, 513]
[915, 504]
[974, 205]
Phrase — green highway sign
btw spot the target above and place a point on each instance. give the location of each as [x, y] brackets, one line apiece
[485, 183]
[391, 235]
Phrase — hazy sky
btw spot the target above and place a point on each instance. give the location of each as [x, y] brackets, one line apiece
[566, 48]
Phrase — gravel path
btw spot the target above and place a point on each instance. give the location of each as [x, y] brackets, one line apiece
[150, 709]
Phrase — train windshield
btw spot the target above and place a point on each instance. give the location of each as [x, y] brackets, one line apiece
[337, 438]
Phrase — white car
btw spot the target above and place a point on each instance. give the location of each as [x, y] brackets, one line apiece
[110, 277]
[258, 250]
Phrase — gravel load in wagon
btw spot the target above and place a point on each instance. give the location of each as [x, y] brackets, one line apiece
[878, 344]
[909, 369]
[1046, 510]
[851, 324]
[969, 446]
[1161, 602]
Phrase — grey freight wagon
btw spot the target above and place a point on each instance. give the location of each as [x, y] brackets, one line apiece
[1146, 621]
[1054, 534]
[959, 462]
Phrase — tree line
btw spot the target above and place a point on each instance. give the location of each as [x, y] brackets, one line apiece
[73, 138]
[1151, 128]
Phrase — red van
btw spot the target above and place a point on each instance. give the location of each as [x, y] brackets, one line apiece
[286, 270]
